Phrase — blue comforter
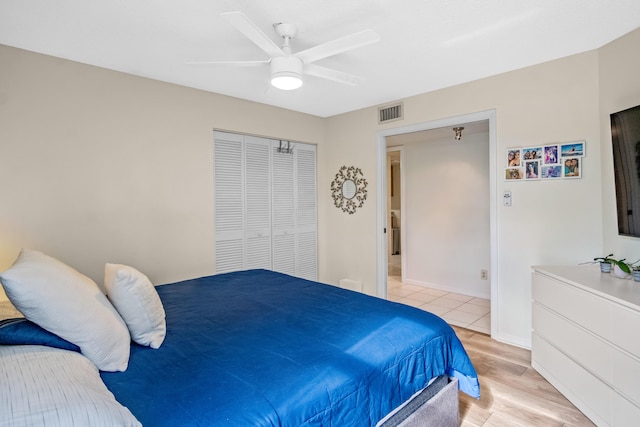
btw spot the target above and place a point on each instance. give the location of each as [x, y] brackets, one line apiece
[259, 348]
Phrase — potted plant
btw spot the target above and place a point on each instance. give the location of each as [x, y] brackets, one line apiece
[605, 263]
[621, 269]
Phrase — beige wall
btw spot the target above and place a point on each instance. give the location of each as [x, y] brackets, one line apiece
[619, 90]
[99, 166]
[348, 242]
[555, 222]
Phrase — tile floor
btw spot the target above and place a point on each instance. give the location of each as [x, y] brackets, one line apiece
[457, 309]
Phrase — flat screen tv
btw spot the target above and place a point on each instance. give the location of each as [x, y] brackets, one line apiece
[625, 135]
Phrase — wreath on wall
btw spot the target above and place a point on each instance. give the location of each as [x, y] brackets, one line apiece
[349, 189]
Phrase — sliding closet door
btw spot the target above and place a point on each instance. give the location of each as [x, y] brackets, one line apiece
[265, 206]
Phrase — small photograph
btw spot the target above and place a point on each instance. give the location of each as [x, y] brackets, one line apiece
[551, 154]
[513, 157]
[572, 149]
[551, 172]
[571, 167]
[532, 169]
[532, 153]
[513, 173]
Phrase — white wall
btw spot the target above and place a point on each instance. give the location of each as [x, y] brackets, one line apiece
[447, 214]
[99, 166]
[557, 222]
[619, 90]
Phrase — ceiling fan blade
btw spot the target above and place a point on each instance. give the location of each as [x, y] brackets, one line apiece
[331, 74]
[253, 33]
[337, 46]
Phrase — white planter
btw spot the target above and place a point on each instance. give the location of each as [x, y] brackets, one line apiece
[617, 272]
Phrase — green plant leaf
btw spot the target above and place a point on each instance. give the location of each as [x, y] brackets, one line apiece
[624, 266]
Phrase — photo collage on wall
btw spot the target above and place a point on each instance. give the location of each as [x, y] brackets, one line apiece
[549, 161]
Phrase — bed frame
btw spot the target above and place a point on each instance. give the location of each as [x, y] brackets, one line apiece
[435, 406]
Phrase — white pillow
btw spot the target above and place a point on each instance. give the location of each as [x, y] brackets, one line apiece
[64, 302]
[137, 301]
[53, 387]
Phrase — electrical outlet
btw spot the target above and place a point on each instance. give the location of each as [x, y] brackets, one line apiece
[484, 275]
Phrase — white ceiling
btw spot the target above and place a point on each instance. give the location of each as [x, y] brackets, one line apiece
[437, 134]
[425, 44]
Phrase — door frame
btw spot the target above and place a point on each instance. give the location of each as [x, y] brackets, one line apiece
[399, 149]
[381, 195]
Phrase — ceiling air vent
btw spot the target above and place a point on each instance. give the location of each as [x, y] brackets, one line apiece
[390, 113]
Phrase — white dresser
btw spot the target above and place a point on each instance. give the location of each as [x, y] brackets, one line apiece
[586, 340]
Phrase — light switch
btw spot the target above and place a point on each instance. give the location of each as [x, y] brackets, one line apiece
[506, 199]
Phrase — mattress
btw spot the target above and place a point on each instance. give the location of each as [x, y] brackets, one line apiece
[262, 348]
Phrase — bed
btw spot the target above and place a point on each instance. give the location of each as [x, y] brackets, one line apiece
[262, 348]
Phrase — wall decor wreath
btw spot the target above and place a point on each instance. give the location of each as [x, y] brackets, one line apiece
[349, 189]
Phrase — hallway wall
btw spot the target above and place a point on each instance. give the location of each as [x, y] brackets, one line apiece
[446, 214]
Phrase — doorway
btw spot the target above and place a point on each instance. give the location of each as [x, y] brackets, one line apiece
[385, 224]
[394, 211]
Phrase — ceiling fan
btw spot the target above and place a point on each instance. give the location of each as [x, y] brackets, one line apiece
[287, 67]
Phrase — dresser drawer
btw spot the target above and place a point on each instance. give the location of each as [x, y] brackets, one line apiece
[583, 347]
[583, 308]
[626, 372]
[626, 324]
[593, 397]
[625, 413]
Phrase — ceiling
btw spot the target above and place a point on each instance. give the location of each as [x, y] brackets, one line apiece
[437, 134]
[425, 44]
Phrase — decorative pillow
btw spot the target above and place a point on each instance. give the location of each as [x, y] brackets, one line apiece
[20, 331]
[53, 387]
[137, 301]
[66, 303]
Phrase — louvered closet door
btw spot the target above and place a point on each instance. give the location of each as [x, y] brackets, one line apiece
[284, 214]
[258, 202]
[229, 202]
[306, 214]
[265, 206]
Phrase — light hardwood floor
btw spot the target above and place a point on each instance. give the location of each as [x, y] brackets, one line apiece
[512, 393]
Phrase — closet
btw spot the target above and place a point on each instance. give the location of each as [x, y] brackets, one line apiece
[265, 205]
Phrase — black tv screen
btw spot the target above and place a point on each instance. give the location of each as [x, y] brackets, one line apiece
[625, 135]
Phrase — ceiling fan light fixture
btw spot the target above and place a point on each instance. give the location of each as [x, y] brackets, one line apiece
[284, 81]
[286, 73]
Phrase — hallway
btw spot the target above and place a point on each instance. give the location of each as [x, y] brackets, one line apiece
[460, 310]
